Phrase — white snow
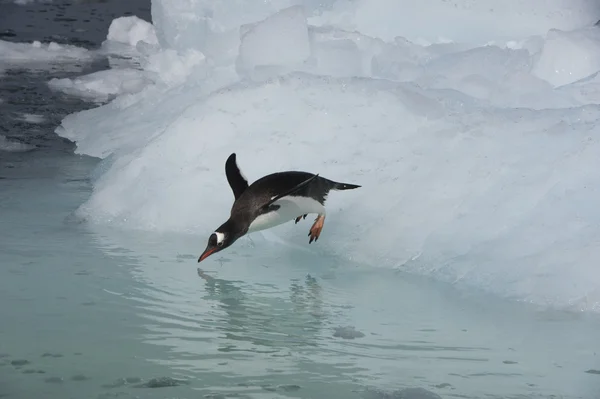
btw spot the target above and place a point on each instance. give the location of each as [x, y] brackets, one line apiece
[129, 39]
[569, 56]
[131, 30]
[468, 21]
[478, 154]
[279, 40]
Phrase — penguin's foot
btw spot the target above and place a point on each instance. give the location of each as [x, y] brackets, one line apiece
[300, 217]
[315, 230]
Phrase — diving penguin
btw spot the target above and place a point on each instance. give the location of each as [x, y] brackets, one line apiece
[270, 201]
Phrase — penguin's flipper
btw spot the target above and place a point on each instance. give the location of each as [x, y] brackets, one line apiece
[290, 191]
[235, 178]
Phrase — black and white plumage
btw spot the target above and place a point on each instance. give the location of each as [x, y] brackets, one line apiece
[270, 201]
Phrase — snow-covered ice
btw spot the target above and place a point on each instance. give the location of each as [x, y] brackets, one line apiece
[130, 38]
[131, 30]
[569, 56]
[476, 22]
[474, 136]
[289, 47]
[103, 85]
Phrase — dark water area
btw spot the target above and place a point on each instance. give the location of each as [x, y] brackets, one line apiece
[23, 86]
[81, 23]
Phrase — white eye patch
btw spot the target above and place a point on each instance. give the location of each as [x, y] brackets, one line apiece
[220, 237]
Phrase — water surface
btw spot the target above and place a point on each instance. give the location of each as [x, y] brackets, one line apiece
[93, 312]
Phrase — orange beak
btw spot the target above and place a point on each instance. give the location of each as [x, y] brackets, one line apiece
[207, 252]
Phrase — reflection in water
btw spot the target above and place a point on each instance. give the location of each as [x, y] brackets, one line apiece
[275, 325]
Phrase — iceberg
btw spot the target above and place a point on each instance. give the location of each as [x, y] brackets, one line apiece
[477, 154]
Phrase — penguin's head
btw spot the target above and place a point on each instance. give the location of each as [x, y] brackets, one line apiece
[223, 237]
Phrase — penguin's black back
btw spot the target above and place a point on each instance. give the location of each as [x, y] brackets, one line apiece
[262, 190]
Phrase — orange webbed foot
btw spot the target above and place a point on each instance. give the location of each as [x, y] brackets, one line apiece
[315, 230]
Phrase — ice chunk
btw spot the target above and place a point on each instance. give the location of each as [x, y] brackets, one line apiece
[279, 40]
[489, 62]
[338, 58]
[196, 24]
[499, 75]
[38, 52]
[174, 68]
[103, 85]
[458, 183]
[129, 40]
[191, 24]
[477, 22]
[585, 91]
[497, 199]
[569, 56]
[181, 24]
[131, 30]
[337, 52]
[340, 53]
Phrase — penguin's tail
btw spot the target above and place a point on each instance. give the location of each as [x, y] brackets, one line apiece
[344, 186]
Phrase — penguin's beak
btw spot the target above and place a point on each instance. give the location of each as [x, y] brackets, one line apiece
[207, 252]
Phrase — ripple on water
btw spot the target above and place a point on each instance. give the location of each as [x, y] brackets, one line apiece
[47, 354]
[406, 393]
[19, 362]
[347, 332]
[162, 382]
[33, 371]
[592, 371]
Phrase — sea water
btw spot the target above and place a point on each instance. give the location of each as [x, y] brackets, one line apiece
[95, 310]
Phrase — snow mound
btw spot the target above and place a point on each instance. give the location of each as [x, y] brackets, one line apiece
[131, 30]
[476, 169]
[440, 193]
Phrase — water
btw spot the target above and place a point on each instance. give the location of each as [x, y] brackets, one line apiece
[91, 312]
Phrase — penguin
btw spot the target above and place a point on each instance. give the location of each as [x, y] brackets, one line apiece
[270, 201]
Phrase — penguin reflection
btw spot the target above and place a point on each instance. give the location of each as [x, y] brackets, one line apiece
[266, 321]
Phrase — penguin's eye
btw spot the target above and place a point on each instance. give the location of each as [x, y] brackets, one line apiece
[220, 238]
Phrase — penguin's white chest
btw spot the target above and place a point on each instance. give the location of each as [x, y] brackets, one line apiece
[289, 209]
